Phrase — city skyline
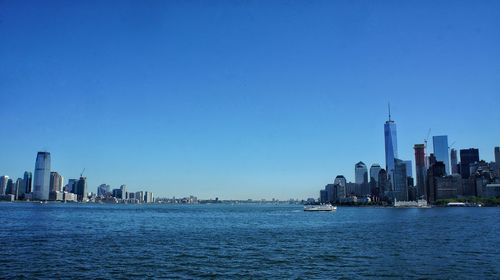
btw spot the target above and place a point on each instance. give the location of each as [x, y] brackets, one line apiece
[245, 106]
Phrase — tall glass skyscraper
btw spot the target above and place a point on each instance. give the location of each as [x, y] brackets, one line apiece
[361, 173]
[440, 144]
[420, 169]
[391, 147]
[42, 176]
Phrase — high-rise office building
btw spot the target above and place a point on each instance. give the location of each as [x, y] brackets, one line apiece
[467, 157]
[3, 184]
[71, 185]
[420, 169]
[374, 170]
[400, 187]
[148, 197]
[454, 161]
[56, 182]
[440, 144]
[103, 190]
[123, 189]
[436, 170]
[81, 189]
[340, 183]
[497, 160]
[361, 173]
[28, 180]
[382, 183]
[42, 176]
[391, 146]
[19, 192]
[10, 187]
[409, 168]
[330, 193]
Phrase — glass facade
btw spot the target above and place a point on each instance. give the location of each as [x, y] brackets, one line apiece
[391, 148]
[440, 144]
[42, 176]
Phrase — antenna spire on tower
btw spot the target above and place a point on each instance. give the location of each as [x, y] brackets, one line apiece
[389, 106]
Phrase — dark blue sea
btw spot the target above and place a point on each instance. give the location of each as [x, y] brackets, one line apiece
[90, 241]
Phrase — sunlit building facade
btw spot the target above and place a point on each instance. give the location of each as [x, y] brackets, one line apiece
[41, 183]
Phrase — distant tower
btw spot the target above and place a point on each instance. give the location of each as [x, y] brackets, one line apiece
[420, 169]
[27, 180]
[42, 176]
[56, 182]
[497, 160]
[454, 161]
[391, 146]
[81, 189]
[3, 184]
[440, 144]
[374, 173]
[340, 186]
[467, 157]
[361, 173]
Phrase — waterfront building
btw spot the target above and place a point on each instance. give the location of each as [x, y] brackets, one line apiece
[409, 168]
[10, 187]
[454, 161]
[3, 184]
[19, 185]
[148, 197]
[28, 180]
[400, 190]
[103, 190]
[467, 157]
[391, 146]
[71, 186]
[436, 170]
[440, 144]
[382, 183]
[42, 176]
[497, 160]
[330, 193]
[56, 182]
[140, 195]
[323, 197]
[420, 170]
[361, 179]
[448, 186]
[81, 189]
[340, 186]
[374, 170]
[117, 193]
[123, 189]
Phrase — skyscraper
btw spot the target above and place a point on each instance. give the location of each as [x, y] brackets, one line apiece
[3, 184]
[361, 173]
[374, 170]
[400, 187]
[454, 161]
[123, 189]
[420, 169]
[409, 168]
[467, 157]
[391, 146]
[440, 144]
[42, 176]
[103, 190]
[56, 182]
[340, 186]
[27, 180]
[497, 160]
[81, 189]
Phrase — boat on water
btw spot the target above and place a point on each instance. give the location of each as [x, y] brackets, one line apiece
[321, 207]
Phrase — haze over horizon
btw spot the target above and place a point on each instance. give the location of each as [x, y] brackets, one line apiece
[241, 99]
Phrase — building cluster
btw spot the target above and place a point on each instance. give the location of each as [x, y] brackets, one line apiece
[47, 185]
[438, 175]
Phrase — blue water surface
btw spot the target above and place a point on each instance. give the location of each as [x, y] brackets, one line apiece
[215, 241]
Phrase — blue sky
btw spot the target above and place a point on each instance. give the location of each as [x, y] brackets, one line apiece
[241, 99]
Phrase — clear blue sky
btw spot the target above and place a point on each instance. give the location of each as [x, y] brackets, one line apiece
[241, 99]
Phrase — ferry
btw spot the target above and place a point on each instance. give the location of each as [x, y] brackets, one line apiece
[321, 207]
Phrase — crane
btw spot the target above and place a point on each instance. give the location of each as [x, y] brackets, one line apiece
[81, 174]
[427, 138]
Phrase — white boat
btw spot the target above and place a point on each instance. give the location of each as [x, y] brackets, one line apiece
[321, 207]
